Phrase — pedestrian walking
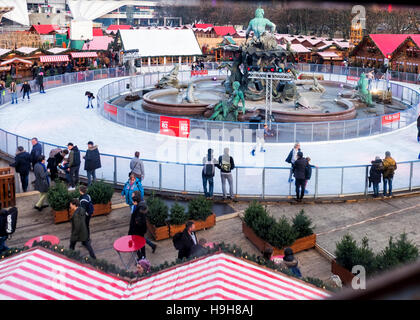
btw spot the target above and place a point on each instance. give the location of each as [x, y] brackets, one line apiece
[186, 240]
[133, 184]
[35, 152]
[138, 224]
[418, 128]
[40, 82]
[226, 165]
[375, 175]
[291, 158]
[26, 88]
[42, 182]
[86, 203]
[55, 157]
[79, 231]
[90, 97]
[2, 91]
[299, 171]
[22, 166]
[92, 162]
[137, 167]
[389, 169]
[207, 174]
[13, 92]
[74, 165]
[260, 133]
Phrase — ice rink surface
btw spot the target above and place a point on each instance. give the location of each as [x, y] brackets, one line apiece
[60, 116]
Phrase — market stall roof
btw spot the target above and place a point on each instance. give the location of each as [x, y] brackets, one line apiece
[224, 30]
[97, 32]
[298, 48]
[26, 50]
[329, 55]
[114, 28]
[54, 58]
[161, 43]
[83, 54]
[15, 60]
[39, 274]
[98, 43]
[4, 51]
[57, 50]
[202, 25]
[44, 28]
[387, 43]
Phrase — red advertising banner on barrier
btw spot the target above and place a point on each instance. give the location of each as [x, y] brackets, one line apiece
[110, 109]
[175, 127]
[389, 118]
[199, 72]
[351, 78]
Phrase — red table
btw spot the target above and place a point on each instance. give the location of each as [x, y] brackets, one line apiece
[131, 244]
[48, 237]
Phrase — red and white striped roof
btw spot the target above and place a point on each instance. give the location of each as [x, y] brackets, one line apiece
[224, 277]
[38, 274]
[84, 54]
[57, 58]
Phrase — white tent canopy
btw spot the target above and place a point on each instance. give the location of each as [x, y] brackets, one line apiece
[20, 12]
[161, 43]
[92, 10]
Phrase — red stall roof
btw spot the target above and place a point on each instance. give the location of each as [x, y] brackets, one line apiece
[387, 43]
[119, 27]
[44, 28]
[97, 32]
[225, 30]
[57, 58]
[86, 54]
[203, 25]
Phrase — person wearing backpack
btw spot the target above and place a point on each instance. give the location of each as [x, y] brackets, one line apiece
[137, 167]
[133, 184]
[209, 164]
[87, 204]
[375, 175]
[226, 165]
[389, 168]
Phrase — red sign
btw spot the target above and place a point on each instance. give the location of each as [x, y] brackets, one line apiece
[110, 108]
[351, 78]
[199, 72]
[389, 118]
[175, 127]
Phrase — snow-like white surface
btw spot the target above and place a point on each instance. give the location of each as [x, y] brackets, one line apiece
[60, 116]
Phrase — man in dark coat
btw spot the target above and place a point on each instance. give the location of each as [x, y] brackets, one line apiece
[74, 164]
[79, 231]
[42, 182]
[299, 170]
[375, 175]
[187, 241]
[138, 224]
[291, 158]
[36, 151]
[22, 165]
[40, 82]
[92, 162]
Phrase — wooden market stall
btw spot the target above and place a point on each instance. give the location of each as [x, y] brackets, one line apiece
[84, 59]
[22, 67]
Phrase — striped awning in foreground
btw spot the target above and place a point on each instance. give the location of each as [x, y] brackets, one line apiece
[88, 54]
[39, 274]
[57, 58]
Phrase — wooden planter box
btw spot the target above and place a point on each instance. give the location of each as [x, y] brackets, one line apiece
[61, 216]
[7, 188]
[345, 275]
[208, 223]
[175, 228]
[101, 209]
[299, 245]
[158, 233]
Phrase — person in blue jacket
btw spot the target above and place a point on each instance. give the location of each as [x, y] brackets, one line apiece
[133, 184]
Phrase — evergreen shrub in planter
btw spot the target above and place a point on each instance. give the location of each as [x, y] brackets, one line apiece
[199, 211]
[58, 199]
[157, 217]
[101, 195]
[177, 219]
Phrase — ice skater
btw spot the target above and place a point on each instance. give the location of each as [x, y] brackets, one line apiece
[260, 135]
[26, 88]
[90, 99]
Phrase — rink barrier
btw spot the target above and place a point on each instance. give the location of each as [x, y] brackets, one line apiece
[185, 178]
[282, 132]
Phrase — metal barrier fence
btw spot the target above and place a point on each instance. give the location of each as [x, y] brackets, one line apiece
[282, 132]
[249, 182]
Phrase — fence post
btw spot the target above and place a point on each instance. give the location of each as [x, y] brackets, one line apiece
[17, 142]
[411, 176]
[7, 145]
[342, 180]
[316, 183]
[366, 180]
[328, 133]
[236, 184]
[185, 177]
[160, 176]
[263, 184]
[115, 171]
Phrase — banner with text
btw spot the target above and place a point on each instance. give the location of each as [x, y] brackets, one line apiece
[389, 118]
[177, 127]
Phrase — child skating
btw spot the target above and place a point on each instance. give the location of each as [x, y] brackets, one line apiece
[90, 99]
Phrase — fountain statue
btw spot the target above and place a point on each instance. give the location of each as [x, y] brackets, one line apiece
[189, 95]
[227, 110]
[362, 90]
[317, 87]
[170, 80]
[259, 24]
